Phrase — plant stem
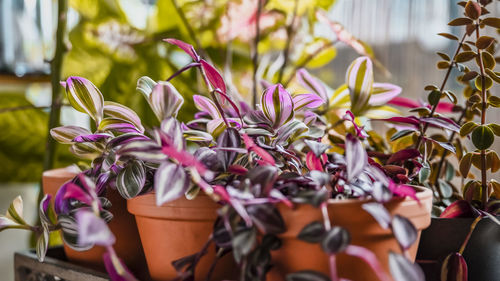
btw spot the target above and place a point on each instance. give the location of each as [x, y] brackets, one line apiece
[331, 257]
[55, 68]
[443, 84]
[445, 153]
[307, 60]
[290, 33]
[255, 56]
[484, 179]
[472, 227]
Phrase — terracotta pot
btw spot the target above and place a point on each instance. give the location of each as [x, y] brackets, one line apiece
[445, 236]
[178, 229]
[127, 246]
[296, 255]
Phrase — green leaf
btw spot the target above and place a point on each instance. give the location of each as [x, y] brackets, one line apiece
[467, 128]
[448, 36]
[445, 188]
[443, 56]
[450, 96]
[469, 76]
[482, 137]
[307, 275]
[15, 211]
[434, 97]
[495, 128]
[488, 83]
[465, 56]
[424, 172]
[493, 75]
[443, 65]
[494, 101]
[312, 232]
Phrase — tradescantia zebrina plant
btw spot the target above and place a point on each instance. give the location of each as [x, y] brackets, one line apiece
[246, 159]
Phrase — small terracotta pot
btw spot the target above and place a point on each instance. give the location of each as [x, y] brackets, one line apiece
[178, 229]
[296, 255]
[127, 246]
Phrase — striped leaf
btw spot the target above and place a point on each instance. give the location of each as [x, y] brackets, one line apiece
[383, 92]
[124, 113]
[116, 125]
[145, 86]
[87, 150]
[146, 150]
[165, 100]
[172, 128]
[356, 157]
[206, 105]
[307, 101]
[454, 268]
[66, 134]
[359, 80]
[312, 83]
[277, 105]
[85, 97]
[198, 136]
[131, 179]
[171, 182]
[340, 98]
[15, 211]
[69, 229]
[42, 244]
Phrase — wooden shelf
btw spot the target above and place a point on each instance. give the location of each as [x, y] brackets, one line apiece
[55, 267]
[30, 78]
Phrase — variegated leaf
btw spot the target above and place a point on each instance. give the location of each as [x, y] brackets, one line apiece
[307, 101]
[359, 80]
[312, 83]
[340, 98]
[148, 151]
[122, 112]
[383, 92]
[165, 100]
[131, 179]
[171, 182]
[85, 97]
[116, 125]
[207, 105]
[15, 211]
[356, 157]
[172, 128]
[145, 86]
[42, 244]
[277, 105]
[197, 136]
[66, 134]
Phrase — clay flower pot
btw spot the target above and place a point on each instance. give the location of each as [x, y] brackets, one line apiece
[128, 246]
[296, 255]
[178, 229]
[445, 236]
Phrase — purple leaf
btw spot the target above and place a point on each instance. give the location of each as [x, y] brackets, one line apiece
[312, 83]
[405, 120]
[73, 191]
[124, 113]
[189, 49]
[251, 146]
[401, 190]
[66, 134]
[356, 157]
[360, 131]
[165, 100]
[172, 128]
[459, 209]
[370, 259]
[213, 76]
[145, 150]
[126, 138]
[207, 105]
[379, 213]
[404, 231]
[403, 155]
[183, 157]
[403, 269]
[454, 268]
[93, 230]
[118, 126]
[171, 182]
[267, 218]
[359, 79]
[277, 105]
[91, 138]
[85, 97]
[307, 100]
[442, 122]
[383, 93]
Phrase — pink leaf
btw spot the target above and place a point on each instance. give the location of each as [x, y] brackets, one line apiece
[459, 209]
[189, 49]
[214, 77]
[251, 146]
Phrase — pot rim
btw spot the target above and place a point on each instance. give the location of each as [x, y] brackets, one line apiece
[64, 172]
[422, 193]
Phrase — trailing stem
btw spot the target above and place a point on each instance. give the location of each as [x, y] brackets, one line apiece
[255, 56]
[331, 257]
[434, 107]
[472, 227]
